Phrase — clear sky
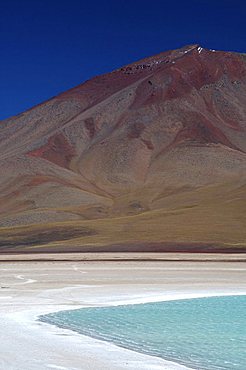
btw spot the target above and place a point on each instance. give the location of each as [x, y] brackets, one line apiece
[48, 46]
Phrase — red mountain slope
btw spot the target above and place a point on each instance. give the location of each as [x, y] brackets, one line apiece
[154, 152]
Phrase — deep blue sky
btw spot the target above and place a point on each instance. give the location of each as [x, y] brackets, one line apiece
[48, 46]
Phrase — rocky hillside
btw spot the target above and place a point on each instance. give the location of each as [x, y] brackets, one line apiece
[151, 156]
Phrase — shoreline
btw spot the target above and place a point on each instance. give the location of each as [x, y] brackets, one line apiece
[168, 364]
[104, 355]
[145, 361]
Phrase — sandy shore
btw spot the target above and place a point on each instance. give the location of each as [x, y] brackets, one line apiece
[31, 288]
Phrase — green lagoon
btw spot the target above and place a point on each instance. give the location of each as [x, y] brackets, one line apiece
[201, 333]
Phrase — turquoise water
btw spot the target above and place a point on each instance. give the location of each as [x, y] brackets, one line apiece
[202, 333]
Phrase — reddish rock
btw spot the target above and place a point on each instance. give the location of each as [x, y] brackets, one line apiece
[57, 150]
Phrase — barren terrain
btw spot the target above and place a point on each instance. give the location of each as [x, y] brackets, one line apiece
[150, 157]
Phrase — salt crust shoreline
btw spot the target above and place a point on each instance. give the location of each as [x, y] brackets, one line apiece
[106, 354]
[30, 317]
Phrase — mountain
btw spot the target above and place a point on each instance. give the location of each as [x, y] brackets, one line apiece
[149, 157]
